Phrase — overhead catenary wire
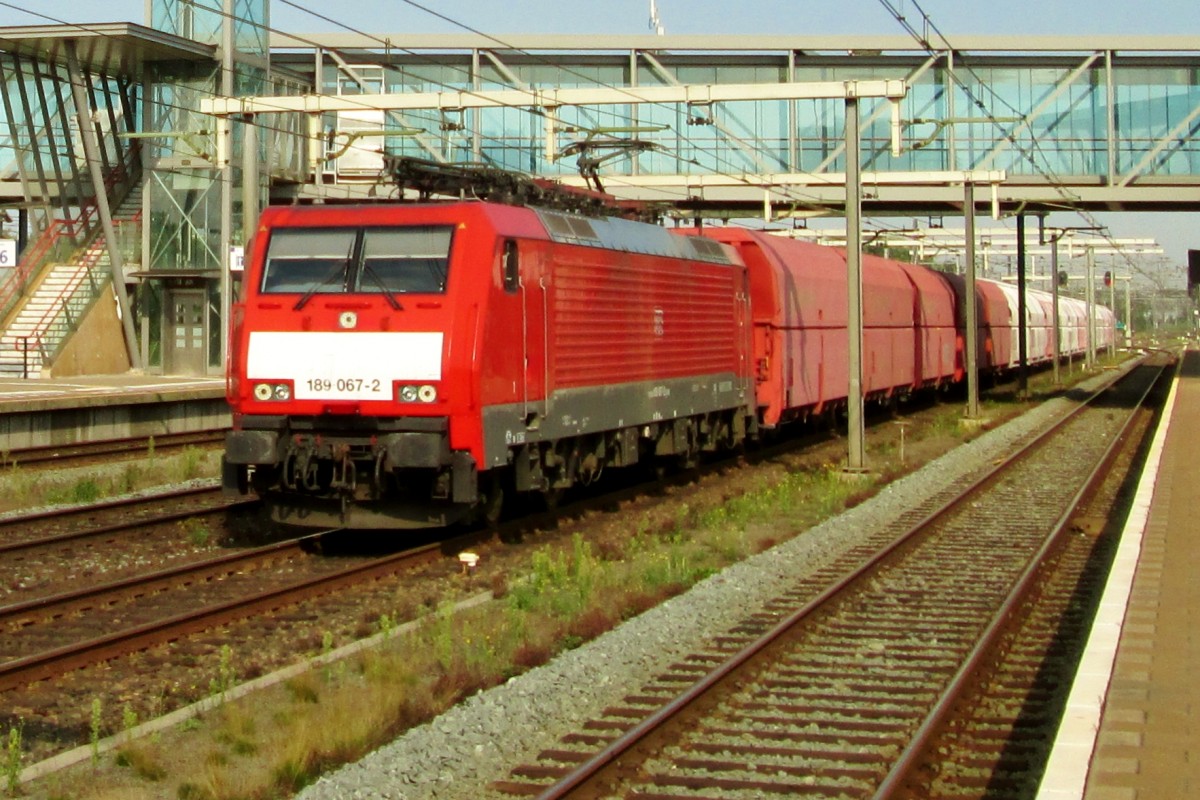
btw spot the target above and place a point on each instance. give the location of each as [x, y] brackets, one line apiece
[789, 192]
[923, 37]
[718, 165]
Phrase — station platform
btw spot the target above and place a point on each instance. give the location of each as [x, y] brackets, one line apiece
[45, 412]
[1132, 726]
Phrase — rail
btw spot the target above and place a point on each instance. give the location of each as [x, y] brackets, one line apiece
[904, 699]
[162, 623]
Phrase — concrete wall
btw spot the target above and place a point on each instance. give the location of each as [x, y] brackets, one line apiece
[98, 347]
[117, 414]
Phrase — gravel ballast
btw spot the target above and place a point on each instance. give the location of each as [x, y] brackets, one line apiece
[461, 752]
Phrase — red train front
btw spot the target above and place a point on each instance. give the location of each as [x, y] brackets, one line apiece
[401, 365]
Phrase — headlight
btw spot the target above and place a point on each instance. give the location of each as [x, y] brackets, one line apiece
[265, 392]
[426, 393]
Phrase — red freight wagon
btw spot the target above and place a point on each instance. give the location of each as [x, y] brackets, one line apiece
[398, 365]
[799, 302]
[996, 323]
[939, 342]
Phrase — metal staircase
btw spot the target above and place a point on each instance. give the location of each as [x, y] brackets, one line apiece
[44, 301]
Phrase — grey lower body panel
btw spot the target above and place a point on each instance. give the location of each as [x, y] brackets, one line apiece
[581, 412]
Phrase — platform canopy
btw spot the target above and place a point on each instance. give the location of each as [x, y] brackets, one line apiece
[110, 48]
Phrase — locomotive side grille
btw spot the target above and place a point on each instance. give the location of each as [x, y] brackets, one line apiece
[668, 320]
[569, 229]
[582, 229]
[708, 250]
[632, 237]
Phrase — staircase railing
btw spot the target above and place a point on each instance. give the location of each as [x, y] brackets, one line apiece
[25, 345]
[83, 286]
[76, 233]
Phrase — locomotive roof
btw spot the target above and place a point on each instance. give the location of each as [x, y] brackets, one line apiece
[612, 233]
[609, 233]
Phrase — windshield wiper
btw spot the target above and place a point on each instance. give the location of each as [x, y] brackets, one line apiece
[367, 269]
[340, 269]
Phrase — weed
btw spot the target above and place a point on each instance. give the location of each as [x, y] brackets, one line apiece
[531, 654]
[195, 531]
[590, 624]
[291, 775]
[223, 682]
[85, 491]
[240, 745]
[326, 649]
[444, 636]
[129, 720]
[94, 736]
[142, 764]
[12, 760]
[190, 463]
[190, 791]
[131, 477]
[302, 690]
[23, 487]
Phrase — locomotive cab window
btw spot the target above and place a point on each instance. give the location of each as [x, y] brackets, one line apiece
[405, 260]
[306, 260]
[410, 260]
[512, 269]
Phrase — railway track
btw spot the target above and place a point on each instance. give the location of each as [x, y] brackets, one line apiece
[59, 525]
[176, 672]
[840, 688]
[48, 636]
[58, 548]
[52, 635]
[83, 453]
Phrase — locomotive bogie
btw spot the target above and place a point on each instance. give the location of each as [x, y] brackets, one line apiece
[314, 473]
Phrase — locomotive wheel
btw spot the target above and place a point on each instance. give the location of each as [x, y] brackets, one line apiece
[491, 501]
[551, 498]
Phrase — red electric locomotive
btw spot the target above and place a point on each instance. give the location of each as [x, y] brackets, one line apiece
[401, 365]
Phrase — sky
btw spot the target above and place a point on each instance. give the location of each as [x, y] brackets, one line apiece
[680, 16]
[1015, 17]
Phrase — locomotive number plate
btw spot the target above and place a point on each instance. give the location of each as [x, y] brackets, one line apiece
[344, 386]
[344, 366]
